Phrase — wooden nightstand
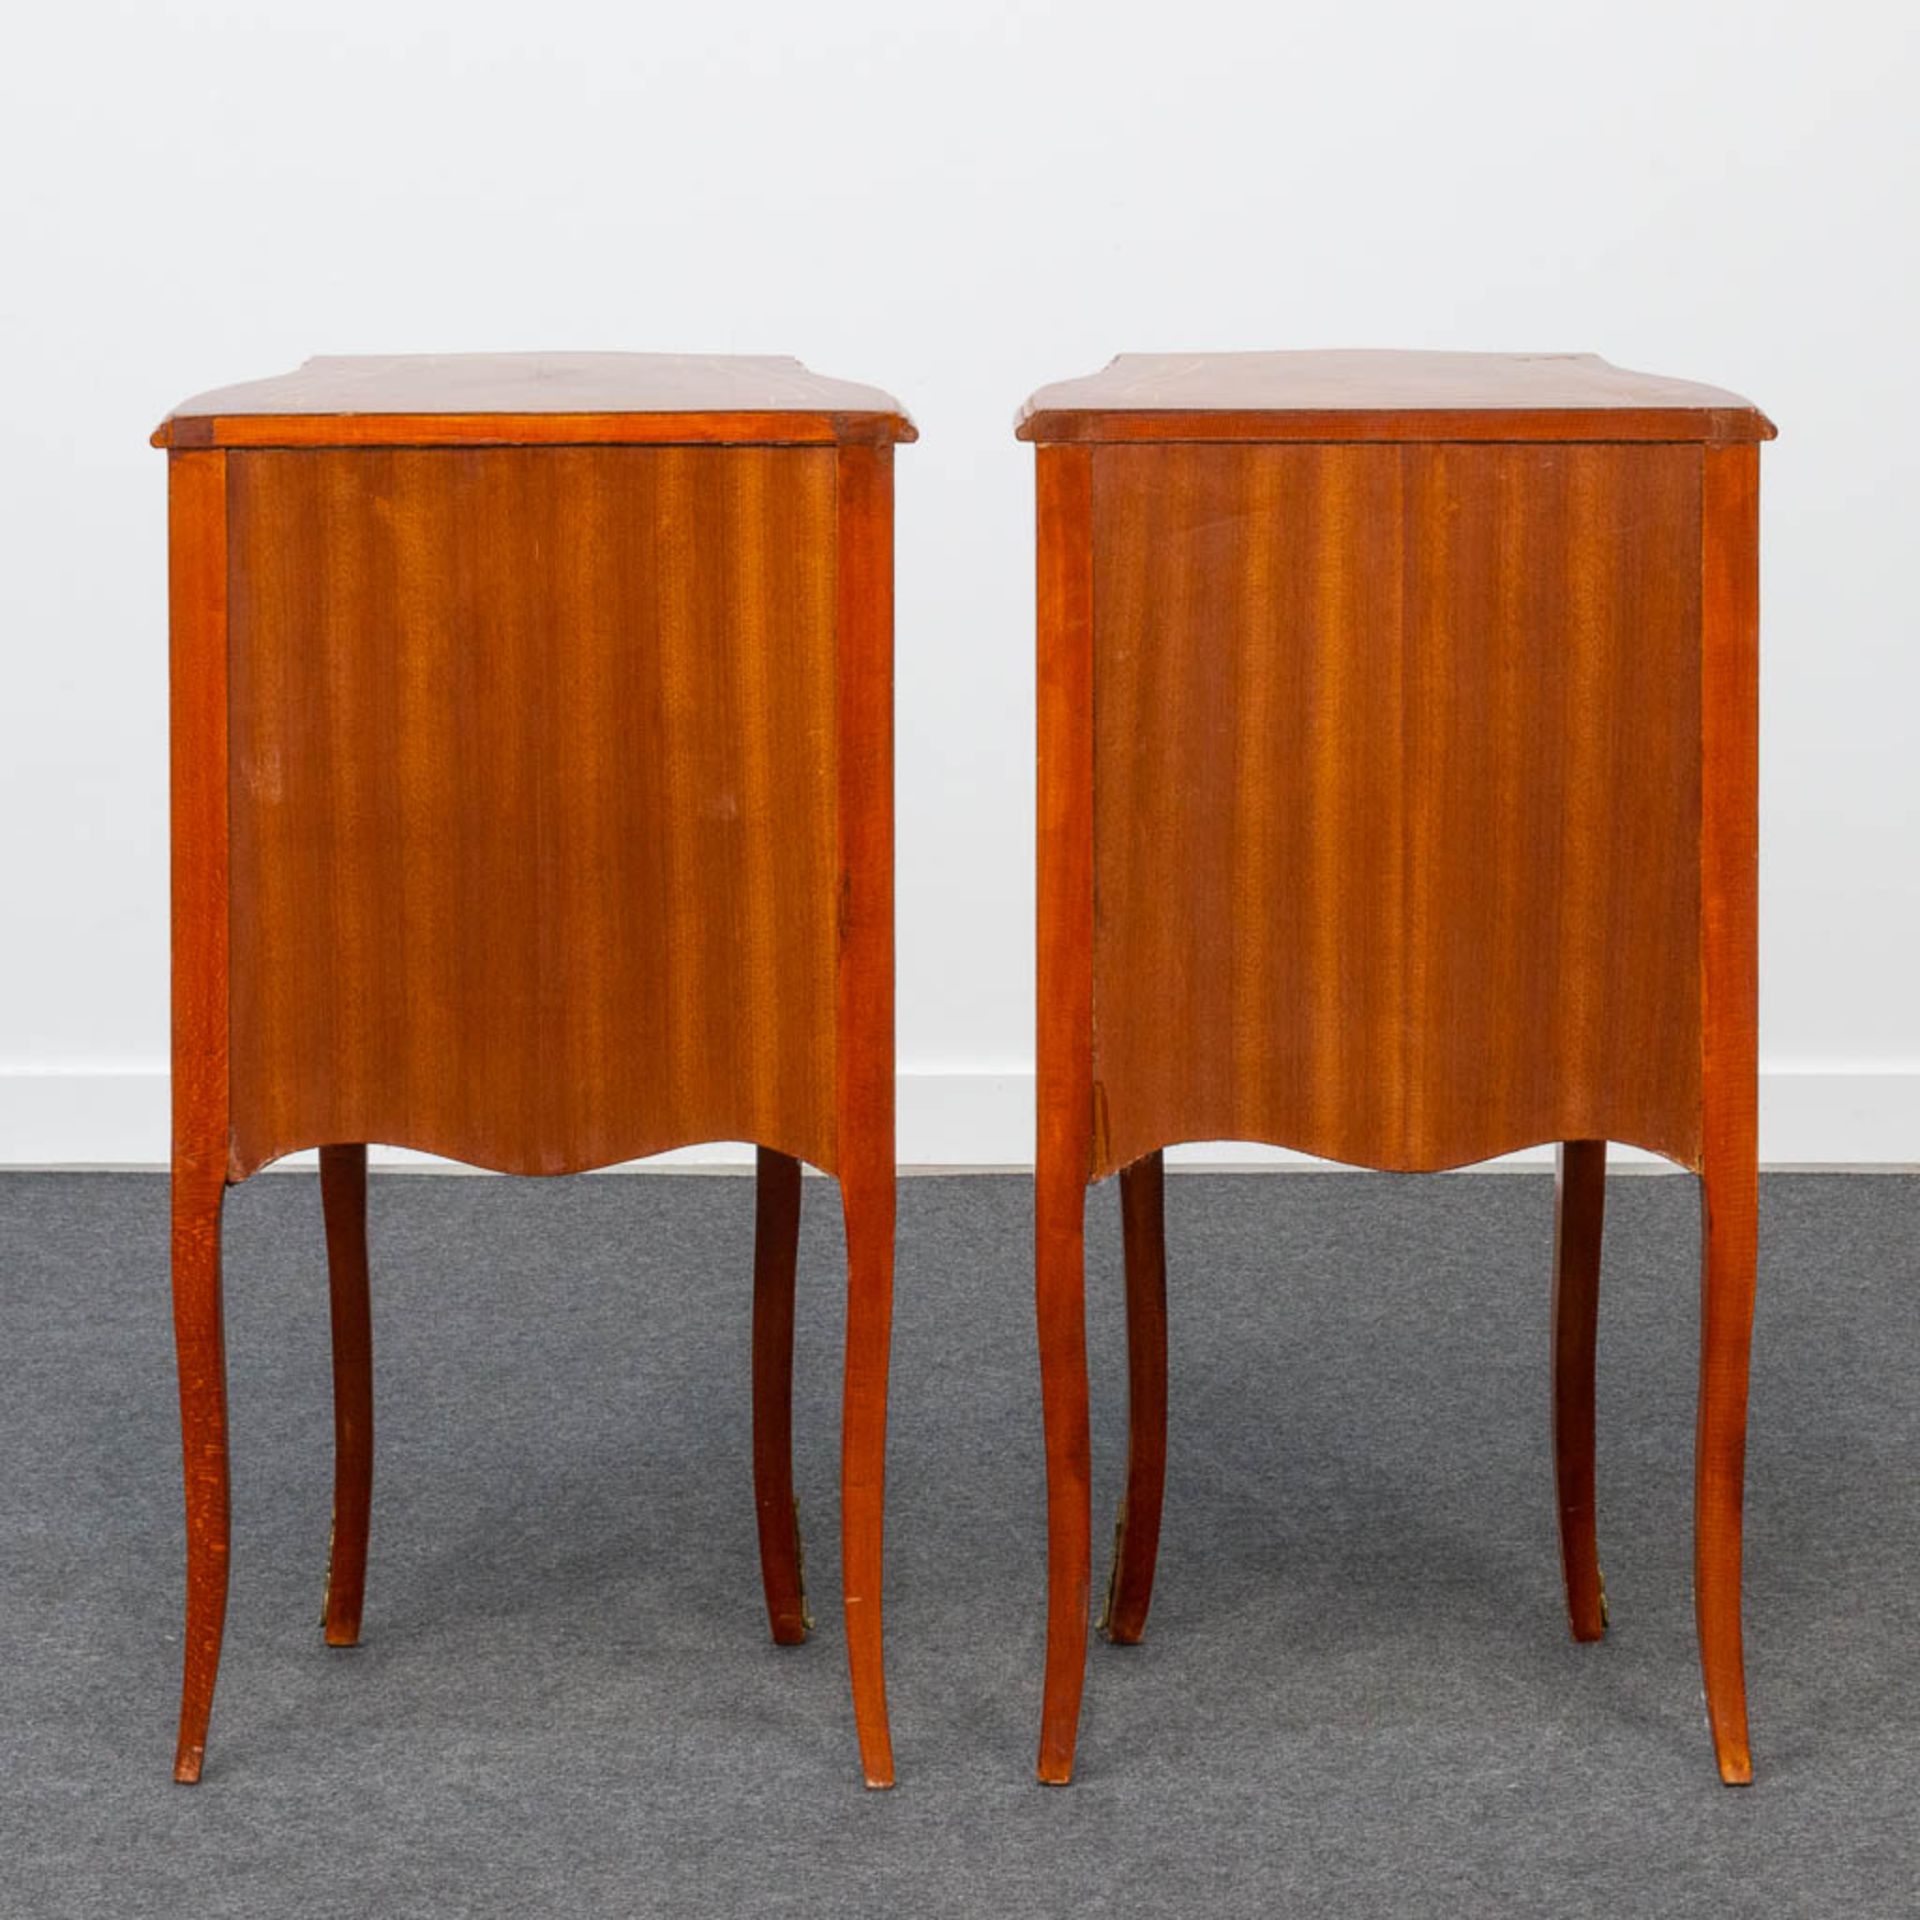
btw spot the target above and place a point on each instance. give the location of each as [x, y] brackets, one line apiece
[532, 805]
[1397, 804]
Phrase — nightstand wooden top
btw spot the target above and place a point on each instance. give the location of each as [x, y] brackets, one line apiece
[1375, 395]
[534, 399]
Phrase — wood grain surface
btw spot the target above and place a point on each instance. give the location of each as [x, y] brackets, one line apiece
[533, 802]
[533, 805]
[1730, 1184]
[528, 399]
[864, 1061]
[1396, 760]
[1064, 1096]
[197, 597]
[538, 400]
[1398, 803]
[1384, 395]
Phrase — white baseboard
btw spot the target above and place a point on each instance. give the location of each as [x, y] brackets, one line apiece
[86, 1115]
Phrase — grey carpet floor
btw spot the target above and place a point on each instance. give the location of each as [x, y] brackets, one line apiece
[1357, 1695]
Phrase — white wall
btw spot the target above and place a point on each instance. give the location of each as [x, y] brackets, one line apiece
[958, 203]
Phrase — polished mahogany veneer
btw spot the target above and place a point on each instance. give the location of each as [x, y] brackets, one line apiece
[532, 777]
[521, 399]
[1371, 394]
[1397, 805]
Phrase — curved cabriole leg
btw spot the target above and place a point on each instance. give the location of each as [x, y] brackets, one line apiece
[864, 1068]
[1064, 1148]
[343, 1202]
[776, 1248]
[200, 1344]
[868, 1201]
[1730, 1212]
[1729, 1146]
[1136, 1542]
[197, 593]
[1060, 1280]
[1580, 1186]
